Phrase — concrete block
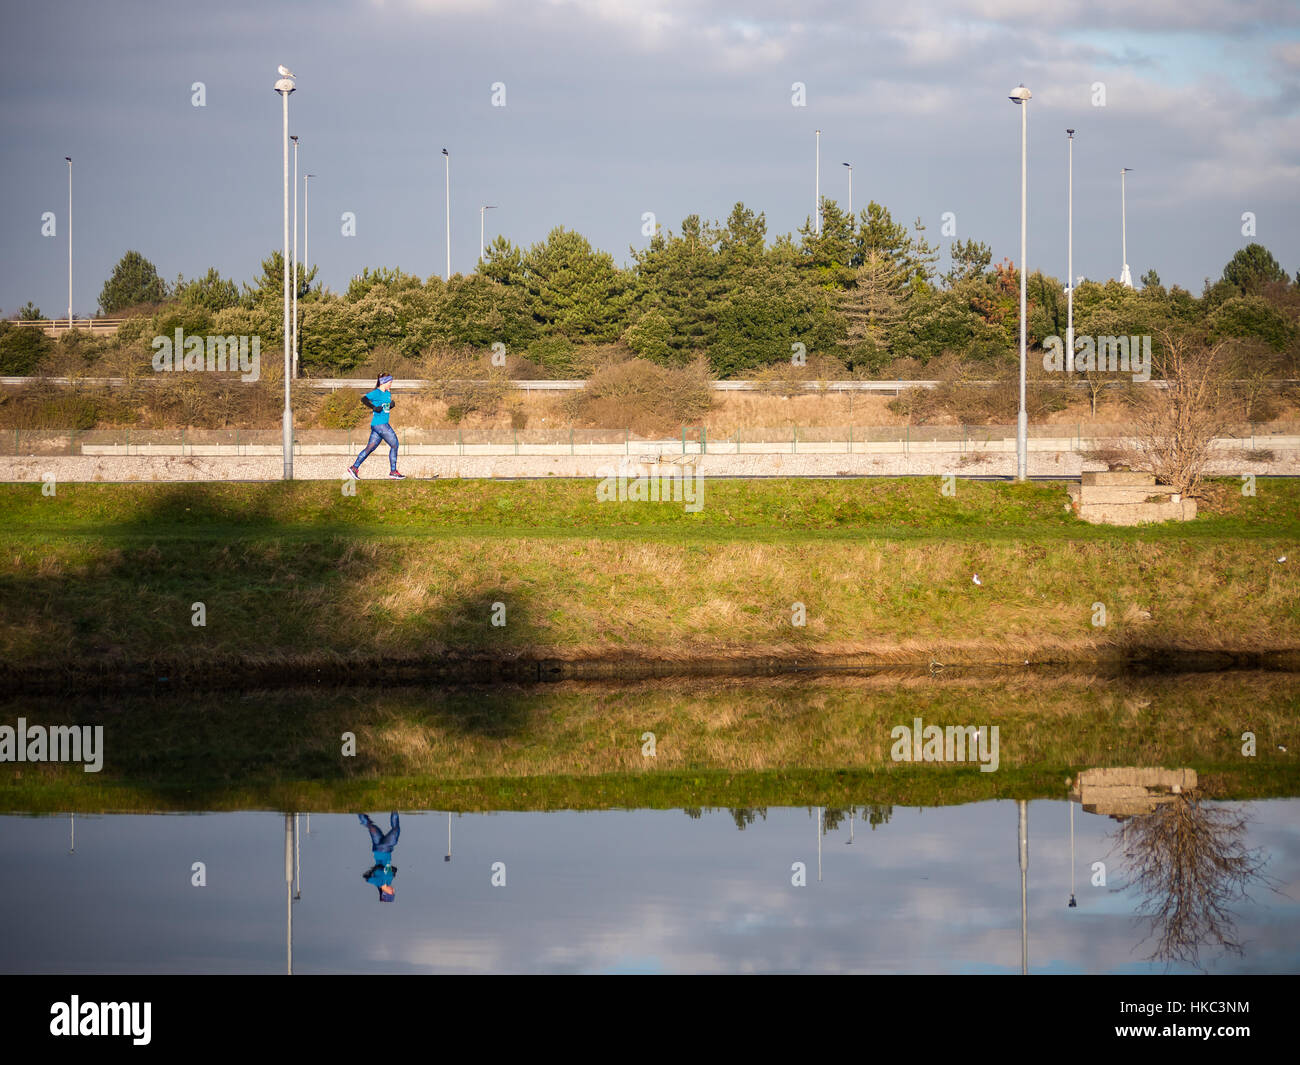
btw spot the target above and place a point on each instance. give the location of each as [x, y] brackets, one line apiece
[1142, 493]
[1118, 477]
[1137, 513]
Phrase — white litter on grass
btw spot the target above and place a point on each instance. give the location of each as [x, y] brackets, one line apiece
[976, 580]
[1282, 559]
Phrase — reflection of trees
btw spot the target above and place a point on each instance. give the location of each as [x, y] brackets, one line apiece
[873, 815]
[1190, 864]
[833, 818]
[877, 815]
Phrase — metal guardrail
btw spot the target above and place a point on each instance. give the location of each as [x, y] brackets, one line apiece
[55, 326]
[415, 384]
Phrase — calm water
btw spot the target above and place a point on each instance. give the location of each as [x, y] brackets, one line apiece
[933, 890]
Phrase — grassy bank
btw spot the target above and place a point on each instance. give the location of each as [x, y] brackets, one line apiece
[297, 577]
[783, 741]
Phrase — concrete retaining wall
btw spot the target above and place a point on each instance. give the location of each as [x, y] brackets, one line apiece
[269, 467]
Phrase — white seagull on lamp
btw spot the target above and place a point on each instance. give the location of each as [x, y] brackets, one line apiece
[285, 72]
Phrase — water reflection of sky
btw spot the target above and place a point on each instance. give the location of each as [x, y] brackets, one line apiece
[935, 890]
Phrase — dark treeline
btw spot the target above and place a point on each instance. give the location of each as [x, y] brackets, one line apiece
[862, 298]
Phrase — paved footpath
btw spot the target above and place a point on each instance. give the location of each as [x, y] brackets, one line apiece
[307, 467]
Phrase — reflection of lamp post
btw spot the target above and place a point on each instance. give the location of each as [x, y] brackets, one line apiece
[297, 865]
[72, 833]
[284, 87]
[849, 842]
[288, 891]
[1072, 903]
[448, 857]
[1024, 869]
[1020, 97]
[819, 844]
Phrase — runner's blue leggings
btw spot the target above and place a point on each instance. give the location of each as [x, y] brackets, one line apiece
[380, 434]
[382, 842]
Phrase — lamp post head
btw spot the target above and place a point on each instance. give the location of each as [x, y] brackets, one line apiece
[1019, 94]
[1071, 133]
[285, 86]
[294, 139]
[849, 165]
[68, 158]
[446, 153]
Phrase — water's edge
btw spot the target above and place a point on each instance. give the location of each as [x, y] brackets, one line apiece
[244, 674]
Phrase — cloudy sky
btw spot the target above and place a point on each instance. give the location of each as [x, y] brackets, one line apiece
[934, 890]
[616, 108]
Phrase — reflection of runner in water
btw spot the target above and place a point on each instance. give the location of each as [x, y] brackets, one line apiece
[381, 845]
[379, 400]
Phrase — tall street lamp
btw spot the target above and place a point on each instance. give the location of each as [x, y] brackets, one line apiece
[294, 306]
[1069, 270]
[817, 189]
[447, 156]
[284, 87]
[306, 262]
[482, 214]
[1020, 96]
[69, 161]
[1125, 278]
[850, 166]
[306, 231]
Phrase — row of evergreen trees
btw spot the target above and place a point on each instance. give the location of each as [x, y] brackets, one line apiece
[864, 294]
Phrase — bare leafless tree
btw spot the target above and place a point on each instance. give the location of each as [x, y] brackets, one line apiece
[1177, 423]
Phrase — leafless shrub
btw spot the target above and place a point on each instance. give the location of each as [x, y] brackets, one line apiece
[787, 379]
[642, 396]
[1177, 424]
[464, 380]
